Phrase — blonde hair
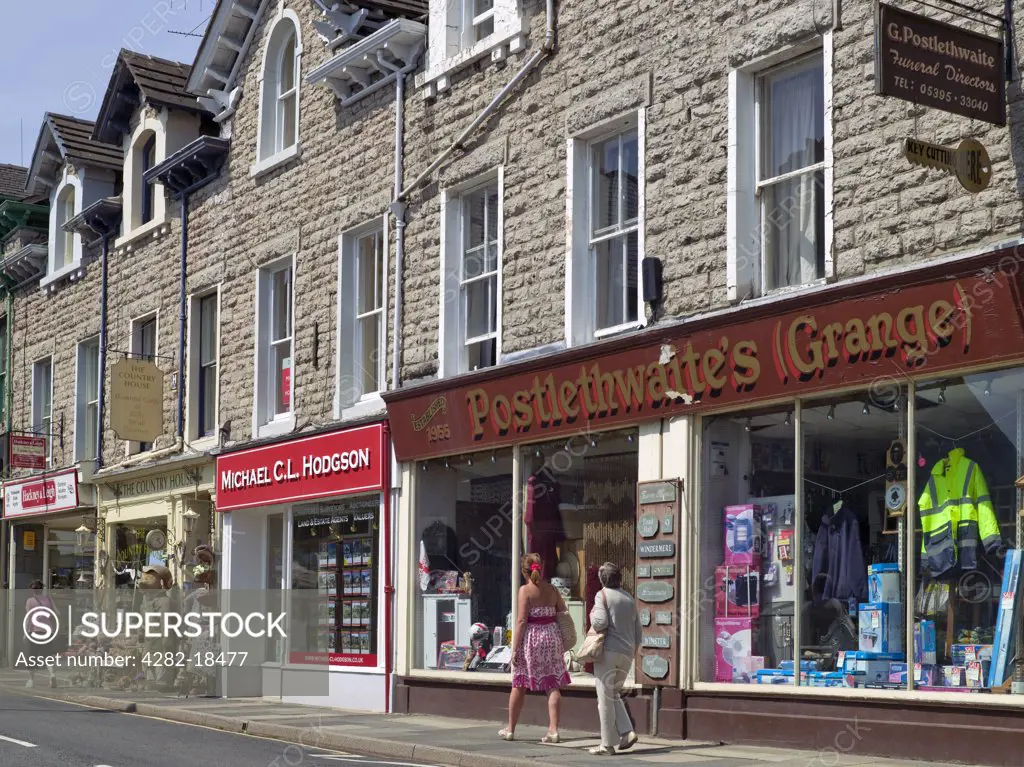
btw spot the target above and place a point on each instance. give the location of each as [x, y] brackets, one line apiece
[532, 565]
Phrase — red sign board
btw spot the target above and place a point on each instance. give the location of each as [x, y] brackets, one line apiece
[342, 462]
[28, 452]
[914, 329]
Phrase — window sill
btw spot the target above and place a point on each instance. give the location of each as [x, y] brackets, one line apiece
[369, 404]
[203, 444]
[626, 327]
[72, 272]
[283, 424]
[436, 76]
[265, 166]
[156, 228]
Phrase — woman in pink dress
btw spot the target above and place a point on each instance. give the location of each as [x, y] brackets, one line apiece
[537, 653]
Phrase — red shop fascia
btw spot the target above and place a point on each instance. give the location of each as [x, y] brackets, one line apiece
[321, 467]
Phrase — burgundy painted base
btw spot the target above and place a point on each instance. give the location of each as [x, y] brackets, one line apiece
[490, 702]
[937, 732]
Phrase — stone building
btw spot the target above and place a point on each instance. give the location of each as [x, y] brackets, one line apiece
[651, 284]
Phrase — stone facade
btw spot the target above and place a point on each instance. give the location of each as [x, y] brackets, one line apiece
[887, 213]
[672, 61]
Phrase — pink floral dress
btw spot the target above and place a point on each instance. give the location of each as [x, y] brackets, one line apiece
[539, 665]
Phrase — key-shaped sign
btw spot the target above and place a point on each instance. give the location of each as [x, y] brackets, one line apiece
[968, 162]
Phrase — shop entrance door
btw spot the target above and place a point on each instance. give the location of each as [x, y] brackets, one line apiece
[27, 563]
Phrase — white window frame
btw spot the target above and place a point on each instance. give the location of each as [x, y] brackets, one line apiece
[580, 272]
[69, 183]
[346, 402]
[135, 348]
[43, 426]
[451, 46]
[195, 368]
[270, 152]
[264, 422]
[132, 225]
[85, 450]
[745, 272]
[452, 332]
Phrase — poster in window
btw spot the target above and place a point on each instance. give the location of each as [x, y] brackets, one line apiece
[366, 582]
[286, 383]
[346, 553]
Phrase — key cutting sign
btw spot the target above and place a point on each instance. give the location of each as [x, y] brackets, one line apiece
[969, 162]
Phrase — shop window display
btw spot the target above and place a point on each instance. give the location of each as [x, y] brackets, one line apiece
[464, 516]
[747, 581]
[966, 601]
[335, 548]
[853, 633]
[579, 511]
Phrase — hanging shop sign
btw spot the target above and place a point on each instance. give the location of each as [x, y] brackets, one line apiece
[656, 587]
[28, 452]
[922, 324]
[939, 65]
[136, 400]
[41, 495]
[338, 463]
[968, 162]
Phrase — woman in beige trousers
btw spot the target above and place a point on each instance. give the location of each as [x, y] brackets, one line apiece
[616, 615]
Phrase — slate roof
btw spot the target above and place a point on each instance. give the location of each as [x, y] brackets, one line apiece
[12, 181]
[75, 141]
[410, 8]
[140, 78]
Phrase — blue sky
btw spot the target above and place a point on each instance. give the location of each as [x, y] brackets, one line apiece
[58, 56]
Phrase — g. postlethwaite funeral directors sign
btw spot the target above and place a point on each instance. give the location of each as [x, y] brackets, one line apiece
[338, 463]
[939, 65]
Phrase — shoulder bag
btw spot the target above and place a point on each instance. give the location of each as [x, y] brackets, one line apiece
[567, 629]
[593, 644]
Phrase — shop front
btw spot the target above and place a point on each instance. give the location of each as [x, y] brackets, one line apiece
[849, 533]
[153, 515]
[307, 523]
[50, 520]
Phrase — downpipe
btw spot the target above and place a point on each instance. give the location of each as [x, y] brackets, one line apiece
[102, 398]
[183, 198]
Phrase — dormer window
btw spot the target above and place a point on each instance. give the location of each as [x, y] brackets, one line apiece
[464, 31]
[148, 157]
[279, 104]
[469, 22]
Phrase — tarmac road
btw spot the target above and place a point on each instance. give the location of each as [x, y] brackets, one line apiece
[36, 732]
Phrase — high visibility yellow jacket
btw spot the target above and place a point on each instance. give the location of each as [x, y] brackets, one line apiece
[956, 513]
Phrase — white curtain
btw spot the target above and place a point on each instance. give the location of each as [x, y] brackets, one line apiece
[793, 212]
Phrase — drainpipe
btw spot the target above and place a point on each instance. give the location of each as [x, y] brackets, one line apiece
[547, 48]
[101, 403]
[398, 209]
[9, 393]
[183, 198]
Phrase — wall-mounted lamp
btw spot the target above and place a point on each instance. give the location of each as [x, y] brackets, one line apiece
[83, 533]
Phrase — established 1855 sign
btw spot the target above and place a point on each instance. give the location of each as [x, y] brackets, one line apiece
[136, 400]
[939, 65]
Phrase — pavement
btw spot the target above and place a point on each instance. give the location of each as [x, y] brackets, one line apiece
[395, 739]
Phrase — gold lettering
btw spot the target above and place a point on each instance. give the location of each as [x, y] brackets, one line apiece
[478, 405]
[814, 360]
[911, 330]
[566, 398]
[880, 328]
[657, 382]
[714, 361]
[940, 319]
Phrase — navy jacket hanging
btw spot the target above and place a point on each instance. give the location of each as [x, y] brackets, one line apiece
[839, 571]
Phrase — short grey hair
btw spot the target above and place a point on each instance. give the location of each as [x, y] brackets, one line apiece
[610, 576]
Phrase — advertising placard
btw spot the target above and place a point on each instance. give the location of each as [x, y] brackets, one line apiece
[41, 495]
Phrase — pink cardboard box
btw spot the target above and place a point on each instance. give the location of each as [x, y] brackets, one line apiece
[743, 542]
[737, 591]
[735, 644]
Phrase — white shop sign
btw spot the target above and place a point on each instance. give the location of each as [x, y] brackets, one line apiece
[41, 495]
